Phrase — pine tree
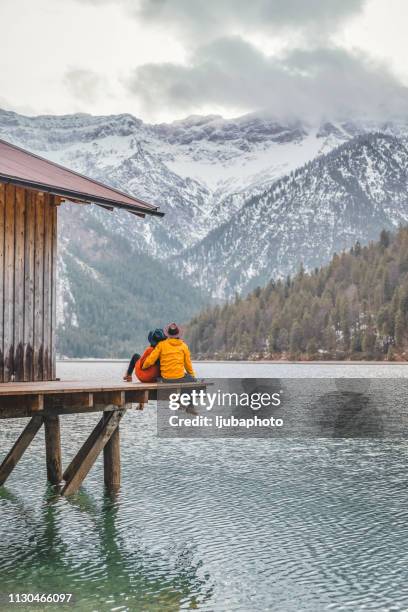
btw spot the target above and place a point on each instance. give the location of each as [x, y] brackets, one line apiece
[283, 340]
[399, 328]
[384, 238]
[368, 343]
[274, 337]
[356, 344]
[295, 343]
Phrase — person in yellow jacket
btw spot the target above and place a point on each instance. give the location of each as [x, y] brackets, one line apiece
[174, 357]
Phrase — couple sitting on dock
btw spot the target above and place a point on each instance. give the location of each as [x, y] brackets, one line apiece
[167, 359]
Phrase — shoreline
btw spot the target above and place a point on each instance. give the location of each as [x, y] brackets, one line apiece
[253, 362]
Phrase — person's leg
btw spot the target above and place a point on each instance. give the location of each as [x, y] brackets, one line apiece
[131, 366]
[186, 378]
[189, 378]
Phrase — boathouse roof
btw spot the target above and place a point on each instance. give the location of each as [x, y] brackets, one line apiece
[20, 167]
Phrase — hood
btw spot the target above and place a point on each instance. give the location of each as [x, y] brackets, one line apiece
[174, 341]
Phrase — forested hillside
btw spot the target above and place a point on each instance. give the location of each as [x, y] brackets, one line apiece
[115, 295]
[354, 308]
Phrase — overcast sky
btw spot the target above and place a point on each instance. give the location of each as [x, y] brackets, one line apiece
[164, 59]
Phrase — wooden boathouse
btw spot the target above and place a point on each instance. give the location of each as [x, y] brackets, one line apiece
[31, 190]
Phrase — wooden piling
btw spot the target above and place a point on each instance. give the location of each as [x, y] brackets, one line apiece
[111, 460]
[53, 449]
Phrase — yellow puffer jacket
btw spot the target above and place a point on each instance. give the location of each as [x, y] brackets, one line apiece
[174, 357]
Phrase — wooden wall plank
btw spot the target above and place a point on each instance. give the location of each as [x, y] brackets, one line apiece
[28, 257]
[2, 212]
[19, 236]
[29, 287]
[39, 287]
[54, 286]
[8, 321]
[47, 291]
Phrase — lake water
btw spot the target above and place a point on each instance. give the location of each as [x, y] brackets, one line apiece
[214, 524]
[112, 370]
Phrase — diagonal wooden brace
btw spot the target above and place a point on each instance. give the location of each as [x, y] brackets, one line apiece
[83, 451]
[87, 455]
[20, 447]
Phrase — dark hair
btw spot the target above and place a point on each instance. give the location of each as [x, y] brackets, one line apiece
[156, 336]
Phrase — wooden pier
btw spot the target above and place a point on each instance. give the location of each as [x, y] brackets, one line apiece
[31, 191]
[44, 403]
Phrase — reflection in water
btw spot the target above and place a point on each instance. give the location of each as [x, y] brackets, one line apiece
[122, 579]
[350, 412]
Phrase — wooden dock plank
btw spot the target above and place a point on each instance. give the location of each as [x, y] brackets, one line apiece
[18, 400]
[110, 398]
[20, 406]
[92, 386]
[82, 399]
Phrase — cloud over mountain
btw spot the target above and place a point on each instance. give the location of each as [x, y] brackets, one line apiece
[307, 83]
[209, 20]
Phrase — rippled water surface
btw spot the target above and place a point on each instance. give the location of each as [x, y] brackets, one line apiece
[225, 524]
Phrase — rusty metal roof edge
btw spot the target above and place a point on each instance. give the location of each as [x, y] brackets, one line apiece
[85, 197]
[83, 176]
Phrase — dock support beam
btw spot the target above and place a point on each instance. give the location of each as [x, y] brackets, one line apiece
[111, 460]
[53, 449]
[87, 455]
[23, 442]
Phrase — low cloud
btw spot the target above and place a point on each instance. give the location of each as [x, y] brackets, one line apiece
[206, 20]
[304, 83]
[85, 85]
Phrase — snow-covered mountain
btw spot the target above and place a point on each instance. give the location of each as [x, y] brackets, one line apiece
[327, 205]
[200, 170]
[244, 198]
